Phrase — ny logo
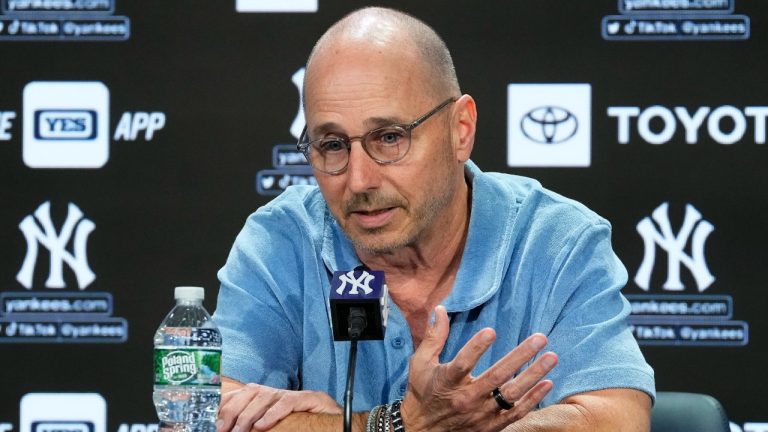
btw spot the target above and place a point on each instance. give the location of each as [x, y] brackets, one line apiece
[363, 282]
[693, 226]
[298, 121]
[56, 245]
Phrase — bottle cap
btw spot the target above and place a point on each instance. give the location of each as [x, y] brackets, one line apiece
[189, 293]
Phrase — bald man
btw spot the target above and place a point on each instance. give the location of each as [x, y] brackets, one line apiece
[506, 307]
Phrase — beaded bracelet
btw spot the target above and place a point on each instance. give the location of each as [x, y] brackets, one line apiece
[382, 424]
[370, 426]
[378, 420]
[382, 416]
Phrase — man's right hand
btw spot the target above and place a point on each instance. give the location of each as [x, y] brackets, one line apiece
[246, 406]
[446, 397]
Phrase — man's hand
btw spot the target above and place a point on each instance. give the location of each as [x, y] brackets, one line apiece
[446, 397]
[252, 405]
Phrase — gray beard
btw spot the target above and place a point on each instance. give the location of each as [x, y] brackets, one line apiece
[424, 219]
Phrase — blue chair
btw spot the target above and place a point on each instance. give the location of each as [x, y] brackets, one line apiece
[688, 412]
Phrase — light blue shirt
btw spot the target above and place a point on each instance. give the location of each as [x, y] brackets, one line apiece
[534, 261]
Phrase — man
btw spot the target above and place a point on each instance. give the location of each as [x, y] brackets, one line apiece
[483, 269]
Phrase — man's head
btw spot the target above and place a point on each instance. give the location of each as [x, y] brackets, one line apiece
[380, 28]
[374, 68]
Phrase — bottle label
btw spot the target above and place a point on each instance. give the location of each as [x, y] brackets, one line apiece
[187, 366]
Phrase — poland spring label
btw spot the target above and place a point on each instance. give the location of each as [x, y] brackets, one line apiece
[187, 366]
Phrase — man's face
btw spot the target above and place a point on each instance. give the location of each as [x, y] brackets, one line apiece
[382, 208]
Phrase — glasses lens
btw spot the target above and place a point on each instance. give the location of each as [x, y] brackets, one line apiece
[388, 144]
[329, 154]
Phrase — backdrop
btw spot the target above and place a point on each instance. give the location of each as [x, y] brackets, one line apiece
[136, 138]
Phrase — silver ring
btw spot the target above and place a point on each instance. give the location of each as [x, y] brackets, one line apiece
[500, 400]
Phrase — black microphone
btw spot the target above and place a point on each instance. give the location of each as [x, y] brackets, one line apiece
[359, 311]
[359, 305]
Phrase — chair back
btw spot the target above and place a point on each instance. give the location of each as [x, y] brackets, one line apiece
[688, 412]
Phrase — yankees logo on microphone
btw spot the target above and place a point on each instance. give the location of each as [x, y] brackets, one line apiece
[362, 292]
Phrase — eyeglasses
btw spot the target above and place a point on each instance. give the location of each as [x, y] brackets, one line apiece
[385, 145]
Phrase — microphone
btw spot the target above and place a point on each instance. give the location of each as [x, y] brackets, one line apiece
[359, 305]
[359, 309]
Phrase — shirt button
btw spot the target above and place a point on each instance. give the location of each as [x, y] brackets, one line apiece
[403, 387]
[398, 342]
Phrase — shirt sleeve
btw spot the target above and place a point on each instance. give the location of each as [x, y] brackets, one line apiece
[258, 310]
[588, 327]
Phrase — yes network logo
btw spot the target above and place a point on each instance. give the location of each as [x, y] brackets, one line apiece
[549, 125]
[66, 124]
[63, 412]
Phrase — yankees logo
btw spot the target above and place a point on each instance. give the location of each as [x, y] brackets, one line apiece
[56, 243]
[694, 228]
[363, 282]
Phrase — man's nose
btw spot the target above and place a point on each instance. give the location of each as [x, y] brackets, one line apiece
[362, 171]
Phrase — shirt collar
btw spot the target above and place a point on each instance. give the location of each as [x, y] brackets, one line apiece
[488, 248]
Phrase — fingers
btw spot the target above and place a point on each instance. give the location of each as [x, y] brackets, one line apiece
[278, 411]
[515, 390]
[507, 366]
[533, 397]
[460, 367]
[226, 396]
[261, 407]
[240, 408]
[229, 388]
[232, 403]
[254, 411]
[297, 401]
[527, 403]
[527, 390]
[435, 337]
[447, 397]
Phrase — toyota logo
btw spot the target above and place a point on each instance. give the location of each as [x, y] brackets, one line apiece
[549, 125]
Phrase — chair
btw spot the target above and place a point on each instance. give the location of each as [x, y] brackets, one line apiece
[688, 412]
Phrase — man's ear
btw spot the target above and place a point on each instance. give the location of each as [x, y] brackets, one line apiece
[463, 125]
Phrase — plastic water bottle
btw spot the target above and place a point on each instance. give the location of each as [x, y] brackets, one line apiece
[187, 386]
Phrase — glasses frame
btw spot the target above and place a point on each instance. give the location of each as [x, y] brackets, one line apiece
[304, 146]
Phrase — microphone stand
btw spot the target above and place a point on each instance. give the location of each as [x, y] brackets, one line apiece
[357, 323]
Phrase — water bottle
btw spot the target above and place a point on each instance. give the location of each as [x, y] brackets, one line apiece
[187, 386]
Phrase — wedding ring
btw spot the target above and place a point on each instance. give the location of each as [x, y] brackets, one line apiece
[501, 401]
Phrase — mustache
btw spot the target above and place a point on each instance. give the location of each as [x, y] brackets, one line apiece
[371, 201]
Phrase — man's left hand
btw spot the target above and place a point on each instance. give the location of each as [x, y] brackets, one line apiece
[446, 397]
[246, 406]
